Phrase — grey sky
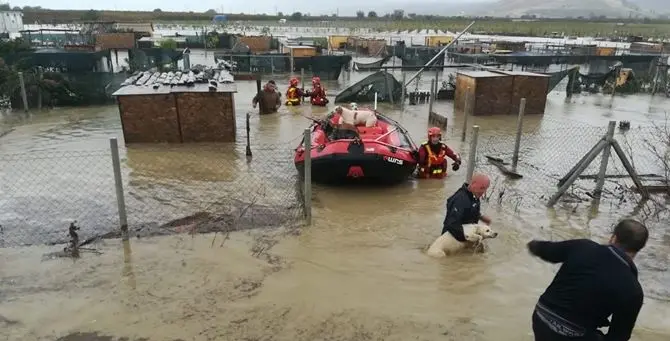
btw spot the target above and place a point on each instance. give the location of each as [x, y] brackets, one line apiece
[346, 7]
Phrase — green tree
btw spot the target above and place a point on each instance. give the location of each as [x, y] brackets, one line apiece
[157, 10]
[210, 12]
[372, 14]
[168, 44]
[5, 7]
[360, 14]
[296, 16]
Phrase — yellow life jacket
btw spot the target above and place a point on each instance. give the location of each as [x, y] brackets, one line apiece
[432, 158]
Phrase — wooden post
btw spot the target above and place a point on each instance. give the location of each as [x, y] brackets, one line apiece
[292, 62]
[432, 97]
[472, 156]
[389, 90]
[466, 113]
[519, 128]
[604, 161]
[629, 168]
[307, 165]
[580, 167]
[403, 89]
[118, 184]
[248, 151]
[40, 77]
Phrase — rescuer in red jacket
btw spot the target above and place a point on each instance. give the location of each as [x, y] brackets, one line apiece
[433, 154]
[318, 93]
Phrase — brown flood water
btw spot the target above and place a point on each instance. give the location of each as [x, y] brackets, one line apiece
[358, 273]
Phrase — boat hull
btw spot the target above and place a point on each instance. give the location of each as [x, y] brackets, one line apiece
[380, 154]
[344, 168]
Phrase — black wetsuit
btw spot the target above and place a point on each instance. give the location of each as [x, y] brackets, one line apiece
[594, 282]
[462, 208]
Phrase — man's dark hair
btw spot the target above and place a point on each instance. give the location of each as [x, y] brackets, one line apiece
[272, 82]
[631, 235]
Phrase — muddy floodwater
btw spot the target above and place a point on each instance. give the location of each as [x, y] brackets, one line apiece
[357, 273]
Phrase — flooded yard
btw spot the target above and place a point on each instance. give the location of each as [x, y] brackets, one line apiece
[357, 273]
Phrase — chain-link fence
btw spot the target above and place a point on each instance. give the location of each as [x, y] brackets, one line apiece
[166, 189]
[546, 156]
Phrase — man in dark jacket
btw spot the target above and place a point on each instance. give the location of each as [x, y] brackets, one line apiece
[464, 207]
[594, 282]
[268, 99]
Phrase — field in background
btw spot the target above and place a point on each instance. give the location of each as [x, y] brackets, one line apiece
[542, 27]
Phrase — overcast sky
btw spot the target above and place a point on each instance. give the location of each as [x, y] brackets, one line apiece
[346, 7]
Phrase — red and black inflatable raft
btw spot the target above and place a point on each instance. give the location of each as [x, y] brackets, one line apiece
[384, 153]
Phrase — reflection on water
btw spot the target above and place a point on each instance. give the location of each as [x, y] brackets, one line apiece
[128, 274]
[359, 269]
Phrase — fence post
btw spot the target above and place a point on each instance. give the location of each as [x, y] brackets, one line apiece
[24, 96]
[248, 152]
[375, 101]
[432, 96]
[389, 90]
[402, 96]
[272, 66]
[519, 128]
[307, 165]
[466, 113]
[40, 77]
[118, 181]
[302, 77]
[604, 161]
[292, 62]
[472, 156]
[437, 79]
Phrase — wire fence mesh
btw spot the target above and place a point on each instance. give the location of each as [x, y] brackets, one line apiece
[547, 154]
[167, 189]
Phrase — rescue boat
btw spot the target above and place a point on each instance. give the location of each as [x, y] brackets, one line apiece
[384, 153]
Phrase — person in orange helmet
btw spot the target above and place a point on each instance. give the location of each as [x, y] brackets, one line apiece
[318, 93]
[433, 154]
[294, 94]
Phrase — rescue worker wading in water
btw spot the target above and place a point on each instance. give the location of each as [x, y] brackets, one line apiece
[294, 94]
[318, 93]
[432, 156]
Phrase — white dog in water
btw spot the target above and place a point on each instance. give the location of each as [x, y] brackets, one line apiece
[355, 117]
[446, 243]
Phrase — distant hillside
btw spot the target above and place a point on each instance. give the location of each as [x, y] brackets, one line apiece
[577, 8]
[547, 9]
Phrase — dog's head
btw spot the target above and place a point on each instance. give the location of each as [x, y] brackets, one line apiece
[478, 232]
[486, 232]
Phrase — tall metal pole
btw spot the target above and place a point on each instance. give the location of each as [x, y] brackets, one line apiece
[439, 54]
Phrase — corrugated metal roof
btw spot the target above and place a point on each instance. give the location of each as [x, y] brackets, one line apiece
[226, 85]
[137, 27]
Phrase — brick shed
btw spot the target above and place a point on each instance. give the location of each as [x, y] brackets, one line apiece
[177, 114]
[256, 44]
[531, 86]
[489, 93]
